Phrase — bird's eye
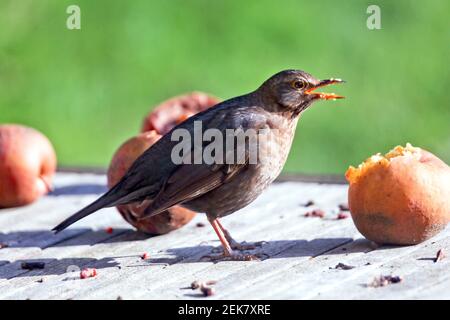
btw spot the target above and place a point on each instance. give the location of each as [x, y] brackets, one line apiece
[299, 84]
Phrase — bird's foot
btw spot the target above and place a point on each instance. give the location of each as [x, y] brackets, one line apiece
[230, 257]
[229, 244]
[243, 246]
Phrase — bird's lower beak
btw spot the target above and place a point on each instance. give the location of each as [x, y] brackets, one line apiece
[323, 95]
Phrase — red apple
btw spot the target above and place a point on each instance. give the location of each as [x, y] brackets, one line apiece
[175, 110]
[124, 157]
[27, 165]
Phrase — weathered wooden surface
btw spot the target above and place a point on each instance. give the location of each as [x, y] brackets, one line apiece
[301, 252]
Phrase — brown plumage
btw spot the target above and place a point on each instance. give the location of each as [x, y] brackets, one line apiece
[219, 189]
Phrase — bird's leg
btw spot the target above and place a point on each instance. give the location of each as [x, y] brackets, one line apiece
[228, 253]
[241, 246]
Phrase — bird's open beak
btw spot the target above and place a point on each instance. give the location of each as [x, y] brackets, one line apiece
[323, 95]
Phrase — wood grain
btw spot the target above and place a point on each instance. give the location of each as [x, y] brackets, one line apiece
[299, 257]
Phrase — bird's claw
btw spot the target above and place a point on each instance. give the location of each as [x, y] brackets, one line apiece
[243, 246]
[230, 257]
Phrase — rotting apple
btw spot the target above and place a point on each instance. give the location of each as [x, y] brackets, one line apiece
[175, 110]
[124, 157]
[400, 198]
[27, 165]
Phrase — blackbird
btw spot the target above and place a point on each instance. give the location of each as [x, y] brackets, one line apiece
[221, 187]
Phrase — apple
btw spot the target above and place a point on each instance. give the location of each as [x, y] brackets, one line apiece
[27, 165]
[400, 198]
[175, 110]
[169, 220]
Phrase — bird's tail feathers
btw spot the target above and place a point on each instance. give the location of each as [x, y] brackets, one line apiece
[102, 202]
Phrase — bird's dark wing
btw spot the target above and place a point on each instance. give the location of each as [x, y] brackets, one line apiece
[150, 171]
[190, 181]
[149, 175]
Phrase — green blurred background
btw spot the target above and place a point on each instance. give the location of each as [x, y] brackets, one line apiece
[88, 90]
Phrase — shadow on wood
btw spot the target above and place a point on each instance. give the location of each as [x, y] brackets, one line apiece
[71, 237]
[278, 249]
[71, 266]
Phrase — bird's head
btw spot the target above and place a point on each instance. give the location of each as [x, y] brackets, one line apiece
[295, 90]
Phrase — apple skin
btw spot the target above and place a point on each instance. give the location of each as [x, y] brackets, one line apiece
[27, 165]
[175, 110]
[167, 221]
[403, 201]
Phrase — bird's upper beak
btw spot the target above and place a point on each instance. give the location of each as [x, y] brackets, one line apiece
[323, 95]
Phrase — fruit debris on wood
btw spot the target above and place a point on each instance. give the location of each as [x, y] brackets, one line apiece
[439, 255]
[32, 265]
[383, 281]
[315, 213]
[343, 266]
[342, 215]
[207, 291]
[145, 256]
[197, 284]
[309, 203]
[204, 287]
[88, 273]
